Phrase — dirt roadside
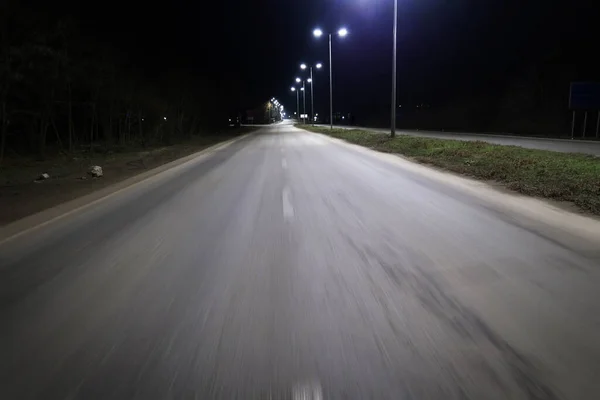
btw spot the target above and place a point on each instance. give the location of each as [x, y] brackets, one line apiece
[21, 195]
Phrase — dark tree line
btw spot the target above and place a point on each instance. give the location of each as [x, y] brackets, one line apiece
[62, 90]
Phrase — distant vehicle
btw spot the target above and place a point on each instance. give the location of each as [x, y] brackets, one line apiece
[234, 121]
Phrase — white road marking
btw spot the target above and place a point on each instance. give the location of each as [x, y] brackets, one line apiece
[288, 209]
[307, 391]
[284, 163]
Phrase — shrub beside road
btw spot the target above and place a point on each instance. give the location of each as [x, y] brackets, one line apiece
[558, 176]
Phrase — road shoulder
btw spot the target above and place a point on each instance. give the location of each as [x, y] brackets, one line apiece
[44, 217]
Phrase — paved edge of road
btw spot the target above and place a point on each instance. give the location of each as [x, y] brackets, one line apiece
[47, 216]
[408, 132]
[572, 230]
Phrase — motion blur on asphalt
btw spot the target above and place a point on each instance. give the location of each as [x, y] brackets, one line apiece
[285, 264]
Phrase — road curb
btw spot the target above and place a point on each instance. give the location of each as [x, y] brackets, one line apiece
[45, 217]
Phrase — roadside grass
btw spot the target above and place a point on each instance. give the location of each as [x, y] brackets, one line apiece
[20, 196]
[558, 176]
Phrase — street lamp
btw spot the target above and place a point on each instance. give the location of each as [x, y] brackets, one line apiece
[303, 102]
[310, 80]
[298, 80]
[297, 100]
[395, 30]
[342, 32]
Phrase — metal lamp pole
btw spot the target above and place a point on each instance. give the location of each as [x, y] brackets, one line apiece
[393, 128]
[298, 104]
[341, 33]
[304, 100]
[312, 98]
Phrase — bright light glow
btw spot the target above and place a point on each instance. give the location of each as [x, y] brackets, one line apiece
[343, 32]
[293, 89]
[343, 117]
[302, 66]
[229, 119]
[165, 118]
[298, 80]
[319, 65]
[309, 80]
[317, 32]
[302, 88]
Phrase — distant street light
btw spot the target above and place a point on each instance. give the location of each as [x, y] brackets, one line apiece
[303, 102]
[297, 100]
[298, 80]
[342, 32]
[310, 80]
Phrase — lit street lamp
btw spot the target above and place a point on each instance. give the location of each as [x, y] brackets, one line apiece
[297, 100]
[341, 33]
[303, 102]
[312, 85]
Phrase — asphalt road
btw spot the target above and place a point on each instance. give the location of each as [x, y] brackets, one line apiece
[560, 145]
[285, 266]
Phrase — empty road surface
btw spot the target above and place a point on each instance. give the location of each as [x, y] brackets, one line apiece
[560, 145]
[289, 266]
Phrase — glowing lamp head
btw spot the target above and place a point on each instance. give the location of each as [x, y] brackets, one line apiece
[319, 65]
[343, 32]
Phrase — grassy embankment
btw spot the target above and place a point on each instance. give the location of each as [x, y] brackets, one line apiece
[558, 176]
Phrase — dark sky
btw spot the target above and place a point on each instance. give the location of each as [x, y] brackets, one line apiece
[447, 48]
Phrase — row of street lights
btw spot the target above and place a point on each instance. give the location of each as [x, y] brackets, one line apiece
[342, 33]
[275, 104]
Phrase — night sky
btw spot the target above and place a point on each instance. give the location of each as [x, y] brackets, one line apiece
[447, 48]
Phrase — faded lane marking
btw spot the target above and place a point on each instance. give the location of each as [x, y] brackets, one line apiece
[288, 209]
[307, 391]
[284, 163]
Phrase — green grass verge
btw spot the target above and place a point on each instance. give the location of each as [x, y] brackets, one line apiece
[557, 176]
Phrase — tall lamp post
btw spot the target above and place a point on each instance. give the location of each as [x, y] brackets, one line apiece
[298, 80]
[297, 101]
[303, 102]
[395, 30]
[311, 80]
[341, 33]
